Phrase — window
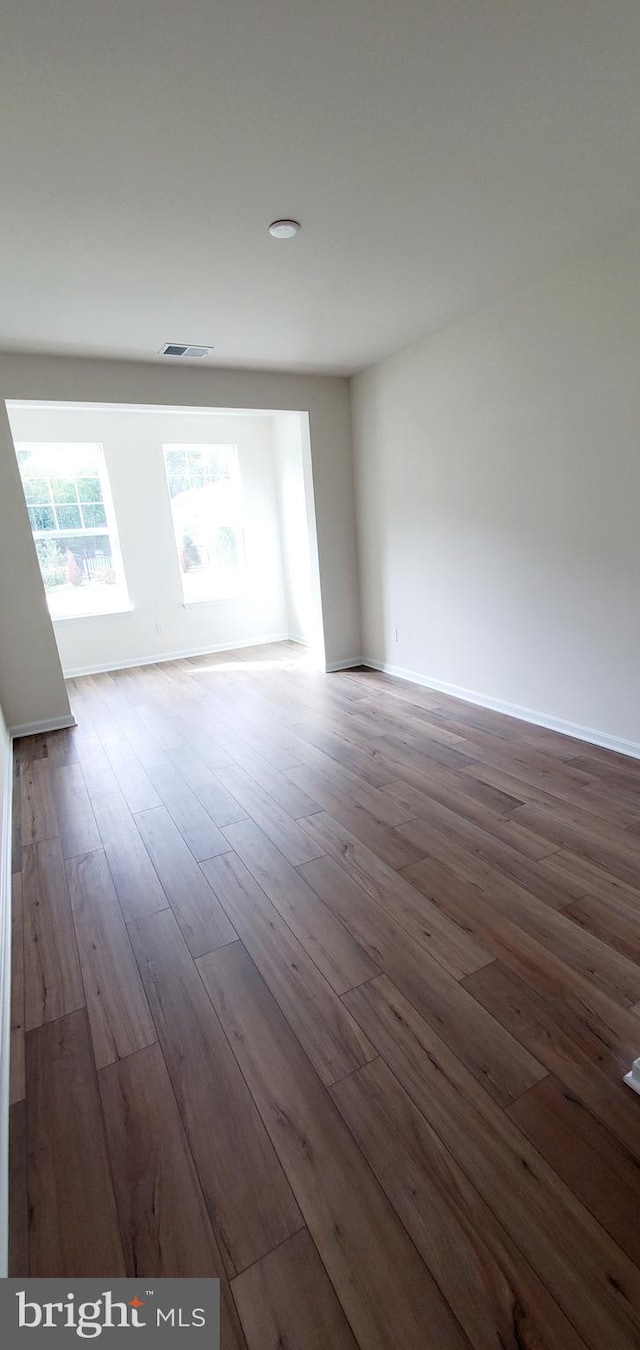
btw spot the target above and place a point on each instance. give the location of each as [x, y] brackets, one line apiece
[69, 503]
[208, 519]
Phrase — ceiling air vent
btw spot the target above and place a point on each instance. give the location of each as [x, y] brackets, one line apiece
[185, 349]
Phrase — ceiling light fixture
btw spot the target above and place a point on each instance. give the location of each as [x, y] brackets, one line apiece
[284, 229]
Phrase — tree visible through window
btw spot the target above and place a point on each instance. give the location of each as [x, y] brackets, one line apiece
[208, 519]
[69, 504]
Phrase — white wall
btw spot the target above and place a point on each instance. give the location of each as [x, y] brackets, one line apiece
[498, 497]
[297, 530]
[132, 442]
[6, 780]
[31, 685]
[326, 400]
[5, 777]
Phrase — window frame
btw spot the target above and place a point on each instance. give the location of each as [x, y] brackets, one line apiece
[122, 604]
[241, 589]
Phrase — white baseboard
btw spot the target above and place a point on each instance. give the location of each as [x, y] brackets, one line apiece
[47, 724]
[537, 719]
[343, 665]
[632, 1079]
[5, 1005]
[157, 660]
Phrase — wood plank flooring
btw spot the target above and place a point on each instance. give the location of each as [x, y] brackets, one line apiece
[325, 984]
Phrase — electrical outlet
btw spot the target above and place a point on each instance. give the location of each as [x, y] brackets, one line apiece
[159, 626]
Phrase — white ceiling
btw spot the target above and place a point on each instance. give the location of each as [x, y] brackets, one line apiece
[439, 153]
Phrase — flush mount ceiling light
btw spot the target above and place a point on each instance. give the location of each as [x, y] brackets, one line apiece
[284, 229]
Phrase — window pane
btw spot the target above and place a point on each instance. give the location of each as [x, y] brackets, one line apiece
[89, 558]
[93, 516]
[63, 490]
[36, 491]
[89, 490]
[68, 517]
[42, 518]
[82, 571]
[52, 561]
[178, 482]
[227, 546]
[208, 519]
[176, 461]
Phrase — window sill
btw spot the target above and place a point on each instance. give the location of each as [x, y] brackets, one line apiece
[219, 600]
[92, 614]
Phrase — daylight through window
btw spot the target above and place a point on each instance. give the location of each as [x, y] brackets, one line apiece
[208, 519]
[71, 515]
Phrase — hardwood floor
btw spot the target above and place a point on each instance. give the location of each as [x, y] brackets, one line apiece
[325, 984]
